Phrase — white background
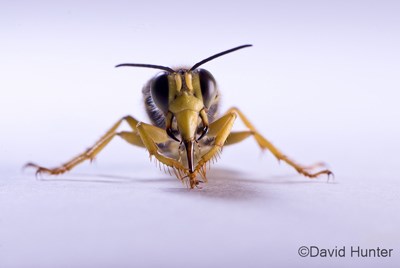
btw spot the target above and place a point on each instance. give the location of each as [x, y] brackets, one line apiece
[321, 82]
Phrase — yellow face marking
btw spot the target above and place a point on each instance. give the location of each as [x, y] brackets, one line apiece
[188, 80]
[178, 82]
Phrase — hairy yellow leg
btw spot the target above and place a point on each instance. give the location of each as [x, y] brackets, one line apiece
[91, 152]
[238, 136]
[265, 144]
[221, 129]
[151, 135]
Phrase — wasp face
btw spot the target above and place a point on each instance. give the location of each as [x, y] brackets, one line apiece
[186, 96]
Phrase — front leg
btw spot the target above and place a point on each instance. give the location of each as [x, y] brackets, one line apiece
[220, 131]
[265, 144]
[150, 136]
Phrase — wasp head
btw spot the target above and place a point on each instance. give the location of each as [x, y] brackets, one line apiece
[184, 96]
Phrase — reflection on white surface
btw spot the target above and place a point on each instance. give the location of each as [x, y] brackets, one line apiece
[321, 82]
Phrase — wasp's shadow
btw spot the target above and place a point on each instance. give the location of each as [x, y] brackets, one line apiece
[223, 183]
[235, 185]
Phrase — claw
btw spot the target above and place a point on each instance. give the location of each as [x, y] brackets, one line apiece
[203, 132]
[171, 135]
[315, 175]
[40, 169]
[330, 173]
[30, 164]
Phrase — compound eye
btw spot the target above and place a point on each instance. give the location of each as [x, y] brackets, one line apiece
[160, 91]
[208, 87]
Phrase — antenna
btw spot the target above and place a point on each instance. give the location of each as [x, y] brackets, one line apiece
[217, 55]
[170, 70]
[146, 66]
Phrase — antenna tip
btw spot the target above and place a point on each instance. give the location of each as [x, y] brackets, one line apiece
[243, 46]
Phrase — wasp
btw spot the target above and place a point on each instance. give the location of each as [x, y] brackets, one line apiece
[185, 132]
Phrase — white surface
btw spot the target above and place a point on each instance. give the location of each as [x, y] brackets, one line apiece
[321, 82]
[237, 220]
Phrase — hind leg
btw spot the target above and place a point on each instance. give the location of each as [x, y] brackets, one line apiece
[264, 144]
[90, 153]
